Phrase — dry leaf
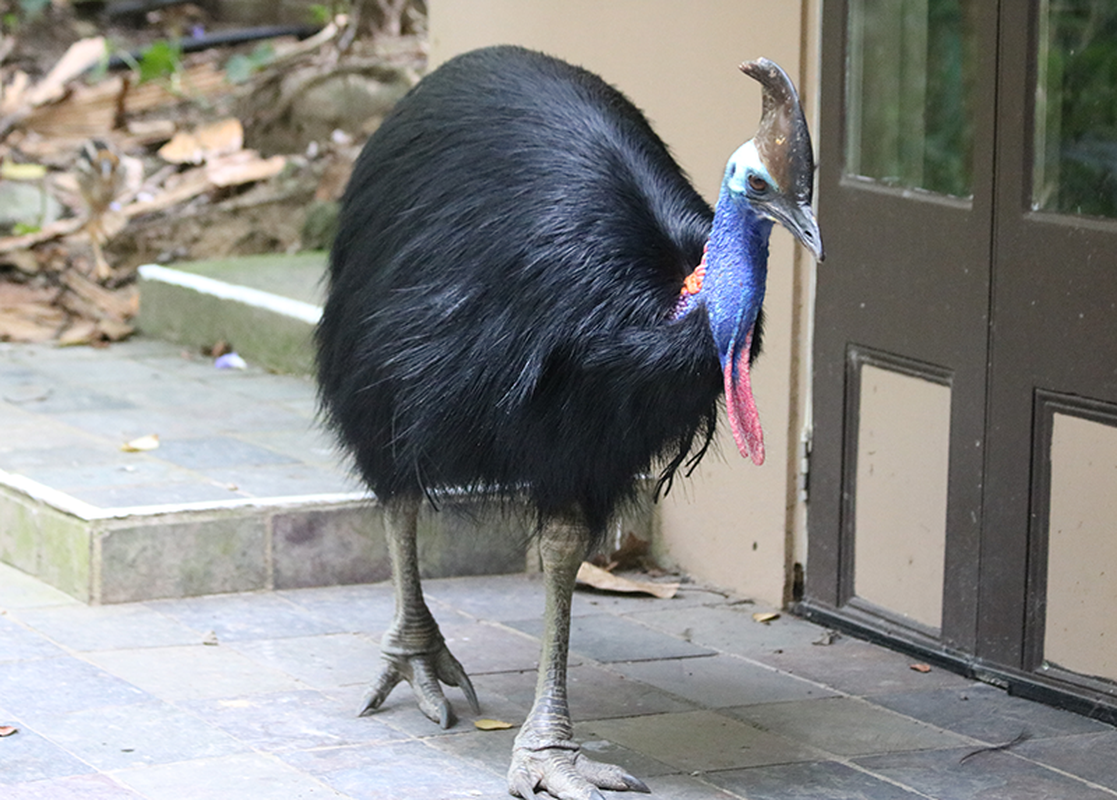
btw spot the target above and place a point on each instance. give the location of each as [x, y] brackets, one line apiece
[81, 56]
[12, 171]
[491, 725]
[211, 141]
[7, 730]
[596, 577]
[765, 616]
[149, 442]
[242, 167]
[921, 667]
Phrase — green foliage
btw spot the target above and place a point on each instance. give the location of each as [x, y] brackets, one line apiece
[240, 68]
[162, 59]
[24, 228]
[320, 13]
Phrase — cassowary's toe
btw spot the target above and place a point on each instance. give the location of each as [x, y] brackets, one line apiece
[425, 672]
[566, 774]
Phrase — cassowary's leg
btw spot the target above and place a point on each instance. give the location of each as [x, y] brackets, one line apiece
[545, 755]
[412, 647]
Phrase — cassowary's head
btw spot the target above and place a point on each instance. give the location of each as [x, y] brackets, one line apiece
[768, 179]
[774, 171]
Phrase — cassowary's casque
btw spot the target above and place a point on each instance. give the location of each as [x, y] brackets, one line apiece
[514, 307]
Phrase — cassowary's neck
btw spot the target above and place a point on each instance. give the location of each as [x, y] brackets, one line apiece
[735, 270]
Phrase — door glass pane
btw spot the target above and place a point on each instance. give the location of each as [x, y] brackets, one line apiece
[909, 74]
[1076, 108]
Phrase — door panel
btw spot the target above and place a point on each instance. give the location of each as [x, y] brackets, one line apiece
[1007, 298]
[907, 272]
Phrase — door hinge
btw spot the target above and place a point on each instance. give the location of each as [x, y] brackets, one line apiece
[804, 486]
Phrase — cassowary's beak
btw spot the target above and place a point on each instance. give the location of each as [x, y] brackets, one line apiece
[800, 220]
[783, 143]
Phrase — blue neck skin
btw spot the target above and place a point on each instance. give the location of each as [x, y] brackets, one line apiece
[736, 272]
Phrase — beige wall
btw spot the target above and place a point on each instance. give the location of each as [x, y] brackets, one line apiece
[733, 525]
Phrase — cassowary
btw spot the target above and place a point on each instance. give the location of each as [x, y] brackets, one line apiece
[528, 299]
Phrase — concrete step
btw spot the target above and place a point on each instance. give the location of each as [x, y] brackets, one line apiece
[265, 306]
[244, 492]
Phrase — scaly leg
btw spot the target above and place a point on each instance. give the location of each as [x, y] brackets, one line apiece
[545, 755]
[413, 647]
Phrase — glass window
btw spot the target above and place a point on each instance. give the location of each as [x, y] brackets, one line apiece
[1075, 166]
[909, 75]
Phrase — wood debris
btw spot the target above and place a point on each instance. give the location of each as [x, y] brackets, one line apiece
[130, 160]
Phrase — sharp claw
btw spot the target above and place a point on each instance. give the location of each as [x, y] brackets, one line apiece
[634, 784]
[522, 786]
[471, 696]
[445, 715]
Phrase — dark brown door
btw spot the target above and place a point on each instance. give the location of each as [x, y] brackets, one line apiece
[966, 334]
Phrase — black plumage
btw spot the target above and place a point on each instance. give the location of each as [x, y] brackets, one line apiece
[513, 242]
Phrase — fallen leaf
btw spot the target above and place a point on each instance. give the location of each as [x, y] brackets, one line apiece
[491, 725]
[210, 639]
[921, 667]
[765, 617]
[598, 578]
[11, 171]
[149, 442]
[828, 638]
[7, 730]
[81, 56]
[207, 142]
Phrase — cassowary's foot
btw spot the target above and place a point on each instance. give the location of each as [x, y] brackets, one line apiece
[422, 658]
[562, 770]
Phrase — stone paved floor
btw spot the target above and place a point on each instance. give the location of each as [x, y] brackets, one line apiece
[691, 694]
[225, 435]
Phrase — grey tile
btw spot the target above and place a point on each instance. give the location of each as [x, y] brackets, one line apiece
[365, 608]
[685, 787]
[324, 662]
[988, 776]
[110, 472]
[157, 494]
[483, 647]
[700, 741]
[283, 480]
[244, 617]
[83, 628]
[988, 713]
[846, 726]
[205, 452]
[398, 769]
[594, 693]
[27, 756]
[721, 681]
[608, 638]
[80, 787]
[818, 780]
[46, 686]
[195, 672]
[291, 721]
[858, 668]
[19, 644]
[731, 628]
[1090, 756]
[503, 598]
[68, 398]
[49, 455]
[121, 737]
[255, 775]
[20, 590]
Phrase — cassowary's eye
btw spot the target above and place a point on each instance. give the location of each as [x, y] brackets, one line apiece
[758, 184]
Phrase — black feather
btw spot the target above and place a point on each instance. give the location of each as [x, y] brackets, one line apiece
[499, 318]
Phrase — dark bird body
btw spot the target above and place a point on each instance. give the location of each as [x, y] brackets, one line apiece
[506, 314]
[524, 341]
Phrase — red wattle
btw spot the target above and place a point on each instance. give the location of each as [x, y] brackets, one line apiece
[744, 419]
